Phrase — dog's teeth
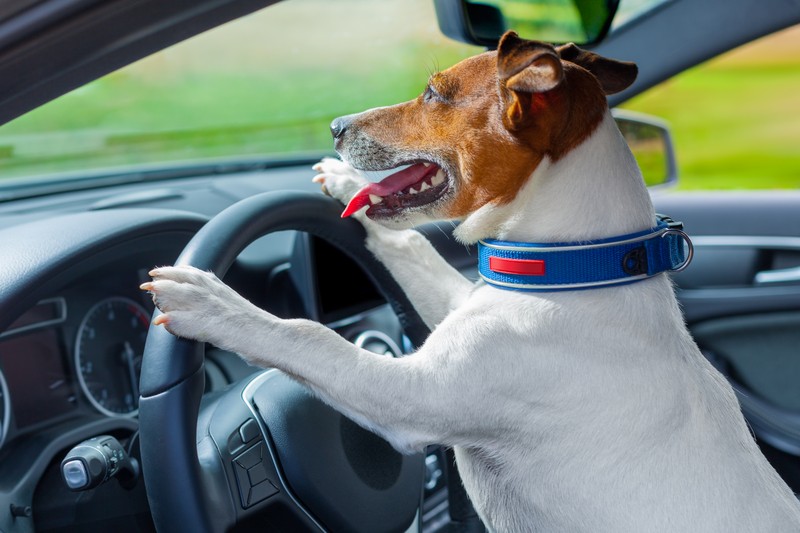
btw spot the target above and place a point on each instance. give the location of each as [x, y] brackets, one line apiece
[424, 187]
[426, 164]
[375, 199]
[412, 190]
[438, 179]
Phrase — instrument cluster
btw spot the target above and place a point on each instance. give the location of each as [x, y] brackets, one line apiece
[79, 353]
[108, 354]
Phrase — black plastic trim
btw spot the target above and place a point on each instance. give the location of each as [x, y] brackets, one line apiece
[23, 469]
[69, 49]
[38, 255]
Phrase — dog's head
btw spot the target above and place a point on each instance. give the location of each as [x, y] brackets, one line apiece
[479, 129]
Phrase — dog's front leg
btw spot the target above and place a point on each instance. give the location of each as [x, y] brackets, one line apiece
[433, 286]
[387, 395]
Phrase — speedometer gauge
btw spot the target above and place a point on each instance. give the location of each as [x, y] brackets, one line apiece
[108, 355]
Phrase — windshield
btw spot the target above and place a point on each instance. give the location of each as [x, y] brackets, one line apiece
[265, 86]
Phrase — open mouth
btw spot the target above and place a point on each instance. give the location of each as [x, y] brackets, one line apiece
[414, 186]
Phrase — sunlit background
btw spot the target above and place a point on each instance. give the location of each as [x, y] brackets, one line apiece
[269, 84]
[736, 119]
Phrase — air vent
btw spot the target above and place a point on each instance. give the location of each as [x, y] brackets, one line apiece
[377, 342]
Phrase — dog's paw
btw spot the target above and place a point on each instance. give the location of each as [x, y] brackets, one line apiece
[338, 179]
[196, 305]
[331, 165]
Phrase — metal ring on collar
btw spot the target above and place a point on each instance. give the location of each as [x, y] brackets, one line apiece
[689, 245]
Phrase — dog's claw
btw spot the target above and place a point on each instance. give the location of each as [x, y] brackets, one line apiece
[195, 303]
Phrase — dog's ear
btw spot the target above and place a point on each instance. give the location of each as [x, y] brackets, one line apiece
[614, 76]
[527, 66]
[526, 69]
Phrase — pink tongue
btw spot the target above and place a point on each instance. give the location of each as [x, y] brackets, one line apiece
[389, 185]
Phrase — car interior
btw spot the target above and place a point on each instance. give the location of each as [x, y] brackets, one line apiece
[177, 436]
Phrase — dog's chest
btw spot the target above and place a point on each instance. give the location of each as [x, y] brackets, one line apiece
[555, 381]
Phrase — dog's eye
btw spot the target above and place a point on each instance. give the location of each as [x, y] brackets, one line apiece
[430, 94]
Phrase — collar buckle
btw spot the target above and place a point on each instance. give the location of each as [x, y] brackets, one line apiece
[670, 222]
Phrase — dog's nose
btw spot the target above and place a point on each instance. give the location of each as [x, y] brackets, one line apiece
[340, 125]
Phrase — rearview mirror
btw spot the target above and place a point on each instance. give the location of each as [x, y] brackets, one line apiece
[482, 22]
[651, 143]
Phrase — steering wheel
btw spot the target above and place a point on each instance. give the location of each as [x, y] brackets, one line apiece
[265, 452]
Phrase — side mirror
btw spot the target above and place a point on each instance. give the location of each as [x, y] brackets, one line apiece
[651, 143]
[483, 22]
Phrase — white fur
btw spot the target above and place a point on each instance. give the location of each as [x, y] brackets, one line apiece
[570, 411]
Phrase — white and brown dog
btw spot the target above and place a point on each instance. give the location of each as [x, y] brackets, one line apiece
[588, 410]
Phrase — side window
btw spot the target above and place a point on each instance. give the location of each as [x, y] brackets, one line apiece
[262, 86]
[735, 119]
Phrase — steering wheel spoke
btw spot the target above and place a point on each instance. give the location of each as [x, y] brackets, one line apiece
[242, 479]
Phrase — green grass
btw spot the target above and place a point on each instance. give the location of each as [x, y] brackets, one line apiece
[735, 125]
[121, 120]
[198, 116]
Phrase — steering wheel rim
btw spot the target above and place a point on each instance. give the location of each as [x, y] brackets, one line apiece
[172, 379]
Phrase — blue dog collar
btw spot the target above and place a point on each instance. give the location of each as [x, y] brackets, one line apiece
[523, 266]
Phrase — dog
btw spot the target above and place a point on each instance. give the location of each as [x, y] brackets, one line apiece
[569, 410]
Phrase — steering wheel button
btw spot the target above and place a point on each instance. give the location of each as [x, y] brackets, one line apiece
[262, 491]
[243, 483]
[75, 474]
[235, 442]
[257, 474]
[251, 457]
[249, 430]
[253, 484]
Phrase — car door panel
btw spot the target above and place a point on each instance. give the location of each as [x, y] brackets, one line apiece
[741, 300]
[747, 246]
[759, 351]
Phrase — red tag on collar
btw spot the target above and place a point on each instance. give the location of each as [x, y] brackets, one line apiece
[520, 267]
